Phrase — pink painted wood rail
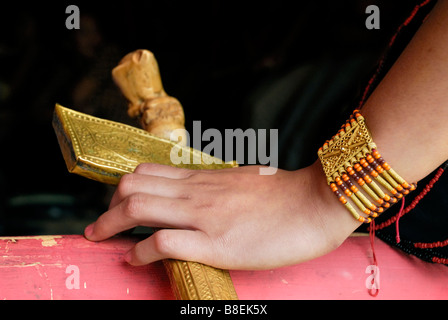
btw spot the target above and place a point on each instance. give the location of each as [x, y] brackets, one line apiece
[70, 267]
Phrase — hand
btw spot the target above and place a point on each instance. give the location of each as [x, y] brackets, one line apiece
[230, 218]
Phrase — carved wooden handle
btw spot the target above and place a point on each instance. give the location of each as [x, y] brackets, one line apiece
[138, 77]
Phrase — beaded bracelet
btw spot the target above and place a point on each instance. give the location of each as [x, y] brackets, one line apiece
[351, 155]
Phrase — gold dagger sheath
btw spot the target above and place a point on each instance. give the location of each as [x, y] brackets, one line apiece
[104, 150]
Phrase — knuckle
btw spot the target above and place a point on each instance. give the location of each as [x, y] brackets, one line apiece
[163, 243]
[146, 168]
[195, 177]
[185, 194]
[133, 206]
[205, 205]
[202, 183]
[126, 183]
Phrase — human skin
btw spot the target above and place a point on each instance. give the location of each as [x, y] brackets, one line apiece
[238, 219]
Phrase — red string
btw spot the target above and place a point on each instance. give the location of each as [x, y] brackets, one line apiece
[414, 202]
[397, 228]
[396, 218]
[430, 245]
[372, 240]
[373, 292]
[391, 42]
[439, 260]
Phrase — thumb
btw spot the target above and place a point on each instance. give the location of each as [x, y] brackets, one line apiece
[187, 245]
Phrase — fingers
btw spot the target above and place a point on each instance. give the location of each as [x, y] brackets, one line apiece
[149, 184]
[174, 172]
[140, 210]
[188, 245]
[160, 170]
[162, 197]
[154, 196]
[153, 179]
[160, 180]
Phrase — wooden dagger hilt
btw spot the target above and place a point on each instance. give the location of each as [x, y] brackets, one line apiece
[138, 77]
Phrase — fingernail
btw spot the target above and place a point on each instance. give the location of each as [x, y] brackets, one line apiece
[88, 231]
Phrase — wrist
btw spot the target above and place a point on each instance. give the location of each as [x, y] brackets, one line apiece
[337, 223]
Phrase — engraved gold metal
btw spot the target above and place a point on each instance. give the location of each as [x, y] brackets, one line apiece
[104, 150]
[350, 144]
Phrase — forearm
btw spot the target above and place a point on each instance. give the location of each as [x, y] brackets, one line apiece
[408, 112]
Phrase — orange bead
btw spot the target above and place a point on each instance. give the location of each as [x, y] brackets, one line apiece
[364, 220]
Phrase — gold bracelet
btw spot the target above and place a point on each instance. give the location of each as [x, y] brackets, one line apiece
[351, 155]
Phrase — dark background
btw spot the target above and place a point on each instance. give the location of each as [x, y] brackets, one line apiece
[298, 66]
